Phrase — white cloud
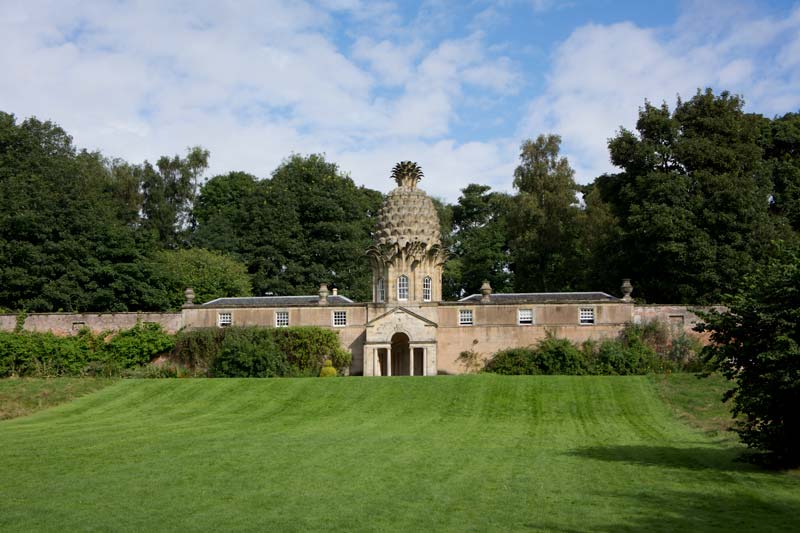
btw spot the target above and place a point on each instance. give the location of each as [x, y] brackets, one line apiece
[392, 62]
[602, 74]
[251, 81]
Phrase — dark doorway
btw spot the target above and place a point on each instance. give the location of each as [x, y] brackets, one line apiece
[401, 355]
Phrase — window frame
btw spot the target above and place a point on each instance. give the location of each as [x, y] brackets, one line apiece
[587, 316]
[427, 289]
[342, 314]
[402, 288]
[462, 313]
[381, 290]
[224, 323]
[519, 317]
[281, 313]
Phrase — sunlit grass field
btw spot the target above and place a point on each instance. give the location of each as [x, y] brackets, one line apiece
[533, 453]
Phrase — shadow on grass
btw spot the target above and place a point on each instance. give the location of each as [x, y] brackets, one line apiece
[738, 510]
[694, 458]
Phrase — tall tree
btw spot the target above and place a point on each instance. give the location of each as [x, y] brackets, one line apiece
[756, 344]
[782, 152]
[479, 248]
[68, 234]
[692, 199]
[309, 223]
[169, 189]
[210, 274]
[543, 218]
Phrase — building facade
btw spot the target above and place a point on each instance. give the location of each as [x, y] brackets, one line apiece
[407, 329]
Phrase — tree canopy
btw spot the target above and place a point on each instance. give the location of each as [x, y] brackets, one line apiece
[702, 192]
[757, 345]
[692, 199]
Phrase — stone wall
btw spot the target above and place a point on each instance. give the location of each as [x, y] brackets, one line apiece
[71, 323]
[679, 317]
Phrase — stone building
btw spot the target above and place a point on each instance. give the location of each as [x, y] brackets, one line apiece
[407, 329]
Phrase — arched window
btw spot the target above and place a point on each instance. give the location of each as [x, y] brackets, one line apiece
[402, 288]
[381, 290]
[427, 283]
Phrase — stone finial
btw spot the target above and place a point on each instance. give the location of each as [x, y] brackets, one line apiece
[626, 289]
[189, 295]
[323, 294]
[486, 291]
[407, 174]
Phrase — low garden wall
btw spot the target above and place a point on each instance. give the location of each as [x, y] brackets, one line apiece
[71, 323]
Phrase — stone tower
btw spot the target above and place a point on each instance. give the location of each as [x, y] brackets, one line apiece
[407, 257]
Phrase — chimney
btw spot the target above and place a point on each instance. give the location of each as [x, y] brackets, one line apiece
[486, 292]
[335, 292]
[323, 294]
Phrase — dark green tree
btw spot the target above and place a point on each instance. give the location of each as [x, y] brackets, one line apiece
[68, 233]
[692, 199]
[599, 243]
[308, 224]
[756, 344]
[542, 222]
[210, 274]
[782, 152]
[479, 247]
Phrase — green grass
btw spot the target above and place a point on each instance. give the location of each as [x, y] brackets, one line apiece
[21, 397]
[535, 453]
[698, 401]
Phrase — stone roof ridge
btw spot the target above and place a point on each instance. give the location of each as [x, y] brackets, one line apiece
[267, 300]
[542, 295]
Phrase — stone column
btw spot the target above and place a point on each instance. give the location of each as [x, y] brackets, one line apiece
[389, 361]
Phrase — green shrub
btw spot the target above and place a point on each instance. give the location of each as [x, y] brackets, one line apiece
[150, 372]
[47, 355]
[551, 356]
[43, 354]
[304, 349]
[197, 349]
[250, 352]
[139, 345]
[307, 348]
[327, 370]
[512, 362]
[559, 356]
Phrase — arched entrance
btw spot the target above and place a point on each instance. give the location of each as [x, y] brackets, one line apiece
[400, 354]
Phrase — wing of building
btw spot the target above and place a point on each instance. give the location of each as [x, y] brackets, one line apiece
[407, 329]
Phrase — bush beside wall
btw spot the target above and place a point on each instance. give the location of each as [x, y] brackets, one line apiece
[48, 355]
[260, 352]
[639, 349]
[229, 352]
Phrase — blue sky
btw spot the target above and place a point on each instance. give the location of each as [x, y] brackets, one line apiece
[453, 85]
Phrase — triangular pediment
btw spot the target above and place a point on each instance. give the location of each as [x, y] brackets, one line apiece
[391, 315]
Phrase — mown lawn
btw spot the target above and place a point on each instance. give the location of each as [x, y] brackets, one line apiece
[21, 397]
[446, 453]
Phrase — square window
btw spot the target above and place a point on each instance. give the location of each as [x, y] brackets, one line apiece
[281, 319]
[586, 315]
[465, 317]
[339, 318]
[525, 317]
[224, 320]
